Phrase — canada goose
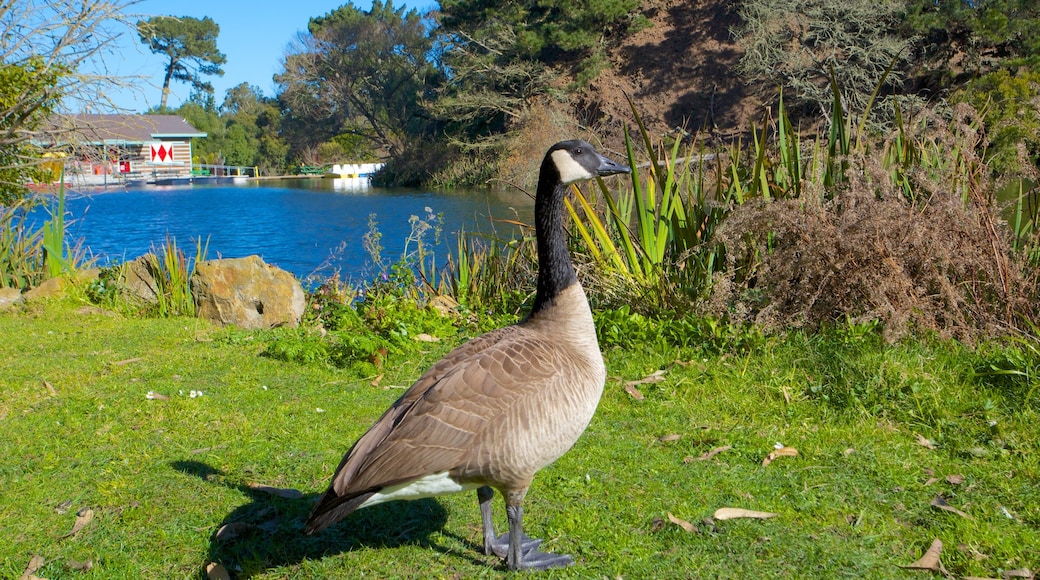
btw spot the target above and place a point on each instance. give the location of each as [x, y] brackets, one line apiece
[500, 407]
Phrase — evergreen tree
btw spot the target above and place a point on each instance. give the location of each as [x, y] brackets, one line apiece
[190, 45]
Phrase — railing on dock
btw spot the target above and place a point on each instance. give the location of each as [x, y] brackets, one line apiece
[211, 170]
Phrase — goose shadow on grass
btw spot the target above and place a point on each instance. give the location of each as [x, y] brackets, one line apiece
[268, 533]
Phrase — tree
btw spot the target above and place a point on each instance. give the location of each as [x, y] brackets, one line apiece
[797, 43]
[553, 32]
[49, 52]
[362, 73]
[243, 131]
[252, 123]
[190, 45]
[956, 41]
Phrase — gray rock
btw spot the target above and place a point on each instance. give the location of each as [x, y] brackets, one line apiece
[247, 293]
[138, 283]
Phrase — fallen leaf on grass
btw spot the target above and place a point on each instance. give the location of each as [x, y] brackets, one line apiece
[80, 566]
[631, 390]
[930, 559]
[376, 380]
[216, 571]
[682, 523]
[153, 396]
[781, 452]
[655, 377]
[669, 438]
[83, 517]
[233, 530]
[940, 503]
[975, 554]
[423, 337]
[924, 442]
[715, 451]
[50, 388]
[1019, 573]
[35, 563]
[729, 513]
[287, 493]
[63, 507]
[955, 479]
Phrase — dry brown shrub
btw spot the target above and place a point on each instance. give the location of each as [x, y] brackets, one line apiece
[938, 264]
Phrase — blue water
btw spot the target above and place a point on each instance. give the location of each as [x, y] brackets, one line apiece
[305, 227]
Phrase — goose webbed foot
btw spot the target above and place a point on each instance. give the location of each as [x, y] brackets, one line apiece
[500, 546]
[530, 558]
[524, 555]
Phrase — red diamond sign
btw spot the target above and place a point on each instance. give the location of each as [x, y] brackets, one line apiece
[161, 152]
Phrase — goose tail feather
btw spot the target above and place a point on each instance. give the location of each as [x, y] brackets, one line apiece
[332, 508]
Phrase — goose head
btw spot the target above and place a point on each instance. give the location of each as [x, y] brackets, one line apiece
[577, 160]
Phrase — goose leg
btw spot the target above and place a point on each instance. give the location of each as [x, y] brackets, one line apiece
[484, 495]
[523, 551]
[498, 545]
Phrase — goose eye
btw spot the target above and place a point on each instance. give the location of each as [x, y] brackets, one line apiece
[578, 151]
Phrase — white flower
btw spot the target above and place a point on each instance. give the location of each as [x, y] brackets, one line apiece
[320, 410]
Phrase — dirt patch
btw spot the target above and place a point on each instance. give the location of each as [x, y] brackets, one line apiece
[679, 72]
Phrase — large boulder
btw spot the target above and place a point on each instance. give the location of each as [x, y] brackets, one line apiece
[247, 293]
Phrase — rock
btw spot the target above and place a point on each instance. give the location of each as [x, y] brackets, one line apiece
[57, 287]
[247, 293]
[138, 281]
[49, 288]
[9, 297]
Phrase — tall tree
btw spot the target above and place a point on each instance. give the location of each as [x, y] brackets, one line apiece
[190, 45]
[554, 32]
[357, 72]
[49, 52]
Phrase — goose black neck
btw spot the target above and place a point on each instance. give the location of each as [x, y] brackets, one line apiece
[555, 271]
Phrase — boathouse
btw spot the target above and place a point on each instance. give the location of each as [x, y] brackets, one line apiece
[103, 149]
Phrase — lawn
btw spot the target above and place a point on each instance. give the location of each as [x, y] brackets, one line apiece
[897, 446]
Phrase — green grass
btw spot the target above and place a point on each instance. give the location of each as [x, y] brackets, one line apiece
[163, 475]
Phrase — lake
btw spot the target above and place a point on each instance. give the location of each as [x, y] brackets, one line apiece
[308, 227]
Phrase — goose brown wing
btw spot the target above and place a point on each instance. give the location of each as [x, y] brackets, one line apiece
[435, 423]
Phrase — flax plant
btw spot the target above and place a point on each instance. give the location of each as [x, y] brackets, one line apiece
[56, 260]
[172, 271]
[21, 250]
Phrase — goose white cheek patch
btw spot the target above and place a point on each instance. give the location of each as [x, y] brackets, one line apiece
[570, 170]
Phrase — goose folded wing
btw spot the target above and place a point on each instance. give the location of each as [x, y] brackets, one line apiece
[435, 423]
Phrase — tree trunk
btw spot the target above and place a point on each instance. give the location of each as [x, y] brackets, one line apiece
[166, 84]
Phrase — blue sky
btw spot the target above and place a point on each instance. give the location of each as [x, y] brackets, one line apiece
[253, 35]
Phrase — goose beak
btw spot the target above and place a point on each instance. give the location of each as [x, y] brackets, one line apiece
[610, 167]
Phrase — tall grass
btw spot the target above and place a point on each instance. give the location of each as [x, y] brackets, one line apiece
[21, 249]
[27, 256]
[652, 243]
[172, 272]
